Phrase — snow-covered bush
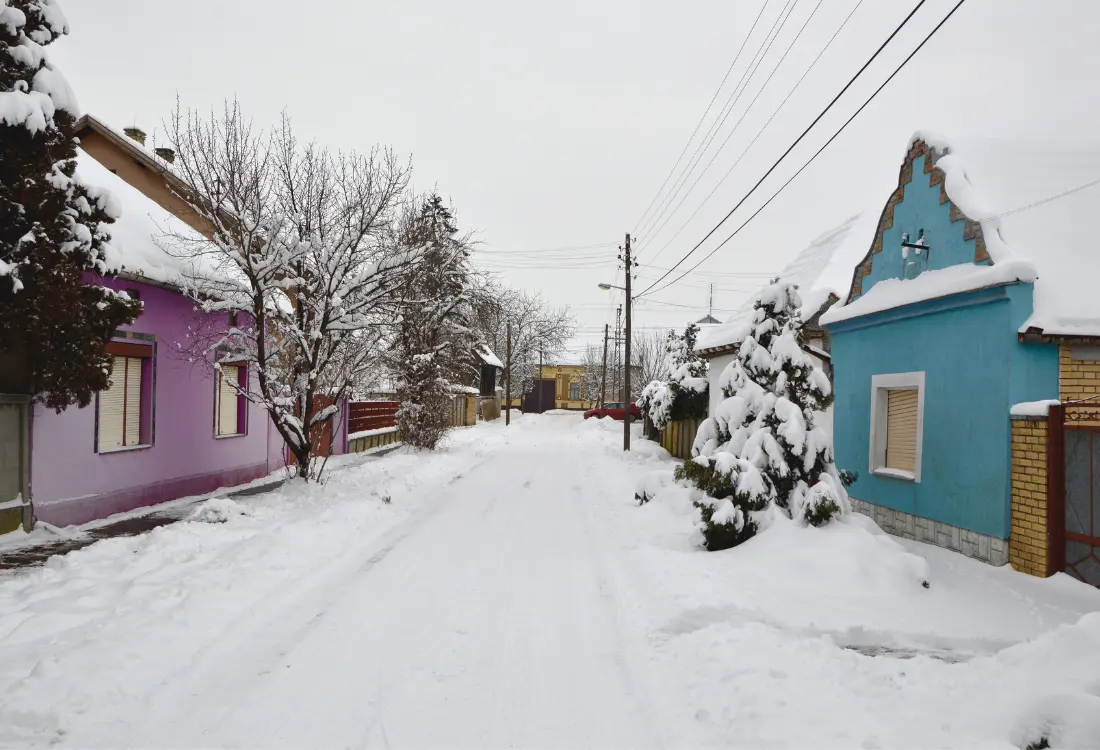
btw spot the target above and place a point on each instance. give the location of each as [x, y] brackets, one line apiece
[761, 447]
[684, 391]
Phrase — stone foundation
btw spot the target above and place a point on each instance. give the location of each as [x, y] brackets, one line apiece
[908, 526]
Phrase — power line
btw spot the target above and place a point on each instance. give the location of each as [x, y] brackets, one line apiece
[1044, 201]
[727, 108]
[764, 127]
[699, 124]
[796, 142]
[816, 154]
[668, 217]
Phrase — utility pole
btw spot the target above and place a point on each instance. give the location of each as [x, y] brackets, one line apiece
[626, 372]
[617, 361]
[508, 380]
[603, 380]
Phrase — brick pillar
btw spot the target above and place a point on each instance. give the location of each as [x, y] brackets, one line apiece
[1030, 539]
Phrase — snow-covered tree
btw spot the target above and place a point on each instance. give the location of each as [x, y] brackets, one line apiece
[54, 326]
[593, 374]
[301, 257]
[536, 328]
[681, 391]
[761, 448]
[435, 335]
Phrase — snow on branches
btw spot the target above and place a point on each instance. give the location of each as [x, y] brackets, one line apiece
[300, 256]
[761, 448]
[53, 228]
[682, 391]
[435, 336]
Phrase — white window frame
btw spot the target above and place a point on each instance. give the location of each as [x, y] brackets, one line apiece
[880, 387]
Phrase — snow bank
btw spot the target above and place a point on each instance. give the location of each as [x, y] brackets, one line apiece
[1033, 408]
[891, 293]
[218, 510]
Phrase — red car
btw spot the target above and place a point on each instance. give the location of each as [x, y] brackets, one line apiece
[615, 411]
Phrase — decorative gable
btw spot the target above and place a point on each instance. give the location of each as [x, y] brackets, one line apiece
[919, 208]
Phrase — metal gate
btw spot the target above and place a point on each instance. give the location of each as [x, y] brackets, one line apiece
[1074, 520]
[14, 508]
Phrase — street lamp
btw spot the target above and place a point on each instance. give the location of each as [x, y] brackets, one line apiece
[610, 286]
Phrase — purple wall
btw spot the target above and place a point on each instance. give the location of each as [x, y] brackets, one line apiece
[71, 483]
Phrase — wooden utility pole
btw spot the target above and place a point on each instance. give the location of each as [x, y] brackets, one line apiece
[626, 372]
[603, 379]
[617, 360]
[508, 379]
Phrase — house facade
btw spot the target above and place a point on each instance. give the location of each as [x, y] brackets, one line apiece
[961, 327]
[168, 426]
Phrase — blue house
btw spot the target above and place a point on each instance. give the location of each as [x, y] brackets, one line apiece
[966, 356]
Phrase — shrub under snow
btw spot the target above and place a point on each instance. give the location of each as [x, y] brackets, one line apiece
[684, 392]
[761, 447]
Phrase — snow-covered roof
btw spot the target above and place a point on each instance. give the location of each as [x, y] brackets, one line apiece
[488, 357]
[142, 236]
[1036, 223]
[824, 268]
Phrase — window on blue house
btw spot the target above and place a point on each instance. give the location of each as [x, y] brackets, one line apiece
[897, 425]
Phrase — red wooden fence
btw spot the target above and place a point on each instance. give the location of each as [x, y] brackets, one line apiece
[371, 415]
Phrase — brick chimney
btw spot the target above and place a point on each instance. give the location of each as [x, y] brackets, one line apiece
[136, 134]
[167, 154]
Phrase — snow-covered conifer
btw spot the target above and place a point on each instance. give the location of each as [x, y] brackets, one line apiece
[54, 326]
[434, 337]
[762, 447]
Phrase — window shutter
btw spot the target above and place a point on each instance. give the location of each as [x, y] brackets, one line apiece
[227, 400]
[901, 430]
[111, 407]
[133, 401]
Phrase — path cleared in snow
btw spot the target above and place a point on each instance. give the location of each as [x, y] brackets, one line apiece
[511, 593]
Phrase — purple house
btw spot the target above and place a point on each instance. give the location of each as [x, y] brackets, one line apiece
[168, 427]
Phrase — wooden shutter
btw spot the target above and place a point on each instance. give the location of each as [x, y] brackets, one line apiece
[112, 402]
[901, 430]
[120, 406]
[133, 401]
[227, 400]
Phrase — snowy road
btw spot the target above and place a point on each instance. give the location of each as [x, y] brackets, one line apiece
[512, 594]
[487, 622]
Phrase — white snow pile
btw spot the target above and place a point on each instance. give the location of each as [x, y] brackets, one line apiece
[146, 240]
[823, 269]
[1033, 408]
[219, 510]
[891, 293]
[1069, 720]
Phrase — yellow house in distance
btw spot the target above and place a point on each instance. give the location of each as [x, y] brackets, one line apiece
[568, 392]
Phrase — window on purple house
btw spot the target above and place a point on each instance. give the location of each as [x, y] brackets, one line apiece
[230, 412]
[124, 409]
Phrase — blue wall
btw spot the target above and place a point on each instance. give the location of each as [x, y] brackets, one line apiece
[974, 371]
[921, 209]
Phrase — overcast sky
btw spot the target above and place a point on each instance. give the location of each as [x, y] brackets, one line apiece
[553, 125]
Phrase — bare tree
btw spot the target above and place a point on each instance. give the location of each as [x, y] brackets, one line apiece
[648, 353]
[300, 259]
[592, 377]
[537, 329]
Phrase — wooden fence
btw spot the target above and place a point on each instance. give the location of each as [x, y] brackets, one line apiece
[463, 410]
[371, 424]
[678, 437]
[490, 408]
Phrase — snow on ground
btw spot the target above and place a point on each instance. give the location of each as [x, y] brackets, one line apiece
[511, 593]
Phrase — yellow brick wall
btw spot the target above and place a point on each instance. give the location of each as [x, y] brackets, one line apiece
[1030, 539]
[1077, 379]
